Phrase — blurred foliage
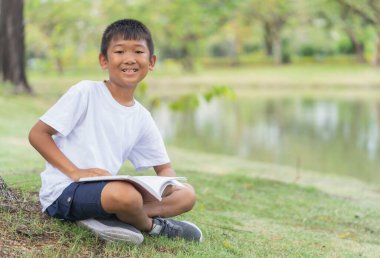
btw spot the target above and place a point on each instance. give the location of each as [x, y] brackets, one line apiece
[219, 91]
[192, 101]
[65, 34]
[185, 102]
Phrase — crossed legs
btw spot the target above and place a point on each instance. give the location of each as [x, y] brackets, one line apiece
[126, 202]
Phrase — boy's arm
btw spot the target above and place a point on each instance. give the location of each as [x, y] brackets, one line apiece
[40, 137]
[167, 170]
[164, 170]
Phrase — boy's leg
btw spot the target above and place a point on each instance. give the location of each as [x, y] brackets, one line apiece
[81, 202]
[179, 200]
[127, 203]
[176, 200]
[123, 200]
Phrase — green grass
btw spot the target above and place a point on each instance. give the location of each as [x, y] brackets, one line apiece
[245, 208]
[240, 216]
[311, 79]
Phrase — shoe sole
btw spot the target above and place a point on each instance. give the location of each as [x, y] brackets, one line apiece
[111, 233]
[192, 224]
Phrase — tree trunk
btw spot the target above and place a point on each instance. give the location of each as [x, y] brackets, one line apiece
[2, 38]
[376, 57]
[6, 194]
[187, 63]
[59, 65]
[268, 39]
[188, 56]
[236, 44]
[358, 46]
[277, 49]
[12, 45]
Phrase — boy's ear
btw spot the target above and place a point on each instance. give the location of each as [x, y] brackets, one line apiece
[103, 61]
[152, 62]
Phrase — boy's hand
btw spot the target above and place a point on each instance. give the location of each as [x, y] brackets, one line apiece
[88, 172]
[172, 188]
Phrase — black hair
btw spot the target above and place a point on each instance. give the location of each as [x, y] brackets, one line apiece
[128, 29]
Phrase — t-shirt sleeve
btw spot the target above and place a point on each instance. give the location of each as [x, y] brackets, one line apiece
[149, 149]
[68, 110]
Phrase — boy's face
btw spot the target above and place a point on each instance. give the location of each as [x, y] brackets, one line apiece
[127, 61]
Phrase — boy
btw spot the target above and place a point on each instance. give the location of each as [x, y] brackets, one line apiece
[96, 127]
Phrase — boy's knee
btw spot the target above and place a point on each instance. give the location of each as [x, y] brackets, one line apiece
[124, 197]
[190, 197]
[132, 200]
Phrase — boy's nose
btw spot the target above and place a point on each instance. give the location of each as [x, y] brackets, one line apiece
[129, 59]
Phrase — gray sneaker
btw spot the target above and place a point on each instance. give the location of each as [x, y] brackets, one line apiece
[113, 230]
[176, 229]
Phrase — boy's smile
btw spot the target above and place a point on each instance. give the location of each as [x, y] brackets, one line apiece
[127, 62]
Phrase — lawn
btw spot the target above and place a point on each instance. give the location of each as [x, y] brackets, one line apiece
[245, 208]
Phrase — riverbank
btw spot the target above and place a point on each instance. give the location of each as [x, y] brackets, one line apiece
[290, 80]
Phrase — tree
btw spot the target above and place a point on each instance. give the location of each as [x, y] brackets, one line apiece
[186, 25]
[67, 29]
[12, 60]
[342, 18]
[273, 15]
[369, 11]
[352, 33]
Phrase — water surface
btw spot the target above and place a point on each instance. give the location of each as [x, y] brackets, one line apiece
[328, 135]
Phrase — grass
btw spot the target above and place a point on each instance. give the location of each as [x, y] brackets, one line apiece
[240, 216]
[349, 80]
[245, 208]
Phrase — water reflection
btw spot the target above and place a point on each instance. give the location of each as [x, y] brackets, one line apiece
[326, 135]
[373, 133]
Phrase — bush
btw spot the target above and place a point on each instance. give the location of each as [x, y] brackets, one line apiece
[345, 47]
[308, 51]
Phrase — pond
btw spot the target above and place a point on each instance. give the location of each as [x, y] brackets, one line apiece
[328, 135]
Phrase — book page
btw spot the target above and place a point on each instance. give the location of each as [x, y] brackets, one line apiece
[152, 185]
[159, 183]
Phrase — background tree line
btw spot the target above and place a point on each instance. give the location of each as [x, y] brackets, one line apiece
[65, 34]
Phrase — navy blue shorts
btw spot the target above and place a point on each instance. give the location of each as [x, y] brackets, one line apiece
[79, 201]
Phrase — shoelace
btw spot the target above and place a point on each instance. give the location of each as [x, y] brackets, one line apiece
[169, 229]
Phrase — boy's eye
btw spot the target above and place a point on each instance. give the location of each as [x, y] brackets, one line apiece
[119, 52]
[139, 52]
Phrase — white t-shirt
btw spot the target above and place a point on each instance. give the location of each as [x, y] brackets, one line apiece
[95, 131]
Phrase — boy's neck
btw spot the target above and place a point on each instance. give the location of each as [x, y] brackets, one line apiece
[124, 96]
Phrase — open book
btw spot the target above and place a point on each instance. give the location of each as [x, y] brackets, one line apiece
[151, 185]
